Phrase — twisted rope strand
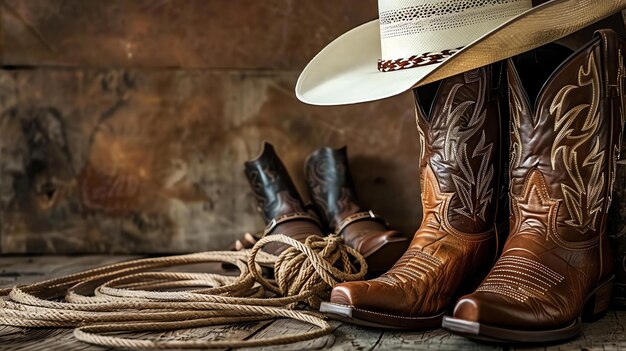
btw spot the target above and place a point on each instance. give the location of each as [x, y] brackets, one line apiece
[133, 297]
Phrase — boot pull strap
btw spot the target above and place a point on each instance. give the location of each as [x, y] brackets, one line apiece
[359, 216]
[287, 218]
[610, 60]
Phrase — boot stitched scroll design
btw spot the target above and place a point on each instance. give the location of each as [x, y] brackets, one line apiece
[584, 200]
[133, 297]
[473, 188]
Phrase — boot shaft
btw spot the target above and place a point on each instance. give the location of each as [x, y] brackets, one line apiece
[273, 189]
[464, 148]
[567, 143]
[330, 185]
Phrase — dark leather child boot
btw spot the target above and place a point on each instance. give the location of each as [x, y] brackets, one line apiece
[332, 191]
[278, 202]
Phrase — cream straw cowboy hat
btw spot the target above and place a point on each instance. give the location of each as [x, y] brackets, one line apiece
[415, 42]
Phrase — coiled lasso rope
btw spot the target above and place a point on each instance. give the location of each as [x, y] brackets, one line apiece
[134, 297]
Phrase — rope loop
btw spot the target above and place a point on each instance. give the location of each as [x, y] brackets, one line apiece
[136, 296]
[309, 269]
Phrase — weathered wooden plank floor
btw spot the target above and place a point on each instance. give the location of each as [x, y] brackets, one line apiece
[606, 334]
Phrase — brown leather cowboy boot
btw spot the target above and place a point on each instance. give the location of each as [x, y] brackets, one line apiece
[556, 266]
[278, 202]
[462, 170]
[332, 191]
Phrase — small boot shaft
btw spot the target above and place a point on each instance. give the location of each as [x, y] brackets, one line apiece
[330, 185]
[278, 202]
[273, 188]
[333, 194]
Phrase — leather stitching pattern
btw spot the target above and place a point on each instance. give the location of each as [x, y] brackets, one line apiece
[473, 190]
[412, 266]
[584, 200]
[519, 278]
[436, 204]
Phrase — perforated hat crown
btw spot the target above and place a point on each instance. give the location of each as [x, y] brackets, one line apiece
[431, 28]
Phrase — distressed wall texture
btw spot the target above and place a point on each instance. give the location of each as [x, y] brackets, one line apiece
[124, 124]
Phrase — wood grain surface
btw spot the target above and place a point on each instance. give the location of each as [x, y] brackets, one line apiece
[607, 334]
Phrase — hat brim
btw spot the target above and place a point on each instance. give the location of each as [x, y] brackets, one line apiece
[345, 71]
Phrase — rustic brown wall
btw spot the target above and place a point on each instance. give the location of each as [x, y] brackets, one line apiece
[124, 124]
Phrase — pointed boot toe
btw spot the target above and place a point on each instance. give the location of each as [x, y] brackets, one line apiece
[467, 309]
[491, 309]
[360, 303]
[342, 294]
[490, 317]
[356, 295]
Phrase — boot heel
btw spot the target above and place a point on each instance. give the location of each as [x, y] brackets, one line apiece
[598, 302]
